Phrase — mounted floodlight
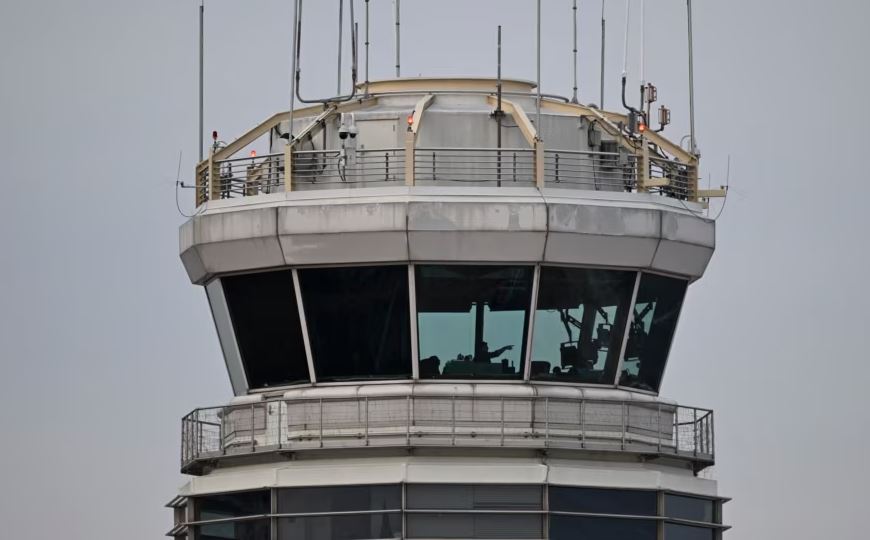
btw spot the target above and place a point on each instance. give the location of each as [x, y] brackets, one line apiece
[652, 93]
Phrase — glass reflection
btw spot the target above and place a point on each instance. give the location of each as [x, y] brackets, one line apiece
[674, 531]
[600, 528]
[341, 527]
[358, 321]
[472, 320]
[654, 321]
[580, 323]
[239, 530]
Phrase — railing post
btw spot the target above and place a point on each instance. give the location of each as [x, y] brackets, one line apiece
[367, 421]
[386, 166]
[223, 446]
[547, 421]
[253, 446]
[410, 157]
[557, 168]
[321, 422]
[288, 167]
[712, 437]
[539, 163]
[677, 430]
[502, 421]
[659, 425]
[214, 184]
[453, 421]
[408, 424]
[643, 166]
[280, 415]
[623, 425]
[582, 423]
[692, 181]
[695, 430]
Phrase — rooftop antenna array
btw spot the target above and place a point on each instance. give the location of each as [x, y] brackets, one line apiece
[601, 79]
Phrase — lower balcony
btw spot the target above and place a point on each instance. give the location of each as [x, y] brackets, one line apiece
[648, 428]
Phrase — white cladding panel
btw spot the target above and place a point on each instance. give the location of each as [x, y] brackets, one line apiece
[451, 470]
[441, 224]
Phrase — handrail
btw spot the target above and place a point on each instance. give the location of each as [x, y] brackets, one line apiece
[649, 428]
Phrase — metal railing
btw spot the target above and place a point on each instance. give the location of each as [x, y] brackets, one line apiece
[348, 167]
[605, 171]
[246, 177]
[492, 166]
[678, 175]
[289, 425]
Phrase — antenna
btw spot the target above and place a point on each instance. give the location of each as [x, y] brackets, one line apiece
[601, 79]
[340, 32]
[692, 142]
[398, 40]
[294, 69]
[498, 112]
[298, 52]
[642, 56]
[367, 47]
[574, 98]
[201, 58]
[538, 100]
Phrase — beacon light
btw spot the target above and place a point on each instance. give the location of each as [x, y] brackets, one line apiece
[214, 135]
[253, 153]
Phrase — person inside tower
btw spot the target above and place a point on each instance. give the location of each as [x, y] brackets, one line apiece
[484, 355]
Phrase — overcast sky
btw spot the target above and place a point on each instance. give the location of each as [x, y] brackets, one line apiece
[104, 343]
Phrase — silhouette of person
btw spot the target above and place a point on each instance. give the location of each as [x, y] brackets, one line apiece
[483, 354]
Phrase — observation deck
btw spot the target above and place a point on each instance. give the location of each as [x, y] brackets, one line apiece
[433, 264]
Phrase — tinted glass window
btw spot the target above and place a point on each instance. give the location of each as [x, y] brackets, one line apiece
[339, 499]
[580, 324]
[348, 527]
[602, 501]
[475, 525]
[595, 528]
[358, 321]
[471, 497]
[654, 320]
[674, 531]
[227, 505]
[238, 530]
[691, 508]
[266, 321]
[472, 320]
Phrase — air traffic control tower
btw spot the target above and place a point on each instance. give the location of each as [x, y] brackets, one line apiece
[445, 307]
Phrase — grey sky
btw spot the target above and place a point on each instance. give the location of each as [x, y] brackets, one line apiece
[104, 344]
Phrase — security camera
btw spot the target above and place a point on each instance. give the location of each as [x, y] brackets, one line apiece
[352, 131]
[343, 132]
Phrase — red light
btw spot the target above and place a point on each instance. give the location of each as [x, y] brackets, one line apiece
[214, 135]
[410, 119]
[253, 153]
[641, 127]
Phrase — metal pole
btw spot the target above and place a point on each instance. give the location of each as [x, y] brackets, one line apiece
[601, 80]
[293, 69]
[538, 100]
[340, 32]
[201, 60]
[692, 142]
[574, 98]
[367, 47]
[398, 49]
[498, 111]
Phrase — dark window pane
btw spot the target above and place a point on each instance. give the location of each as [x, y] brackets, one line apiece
[473, 320]
[227, 505]
[475, 525]
[239, 530]
[473, 497]
[674, 531]
[691, 508]
[353, 527]
[603, 501]
[595, 528]
[266, 321]
[580, 324]
[310, 500]
[658, 304]
[358, 321]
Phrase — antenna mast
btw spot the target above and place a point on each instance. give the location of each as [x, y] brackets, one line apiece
[398, 35]
[692, 143]
[574, 98]
[601, 81]
[201, 58]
